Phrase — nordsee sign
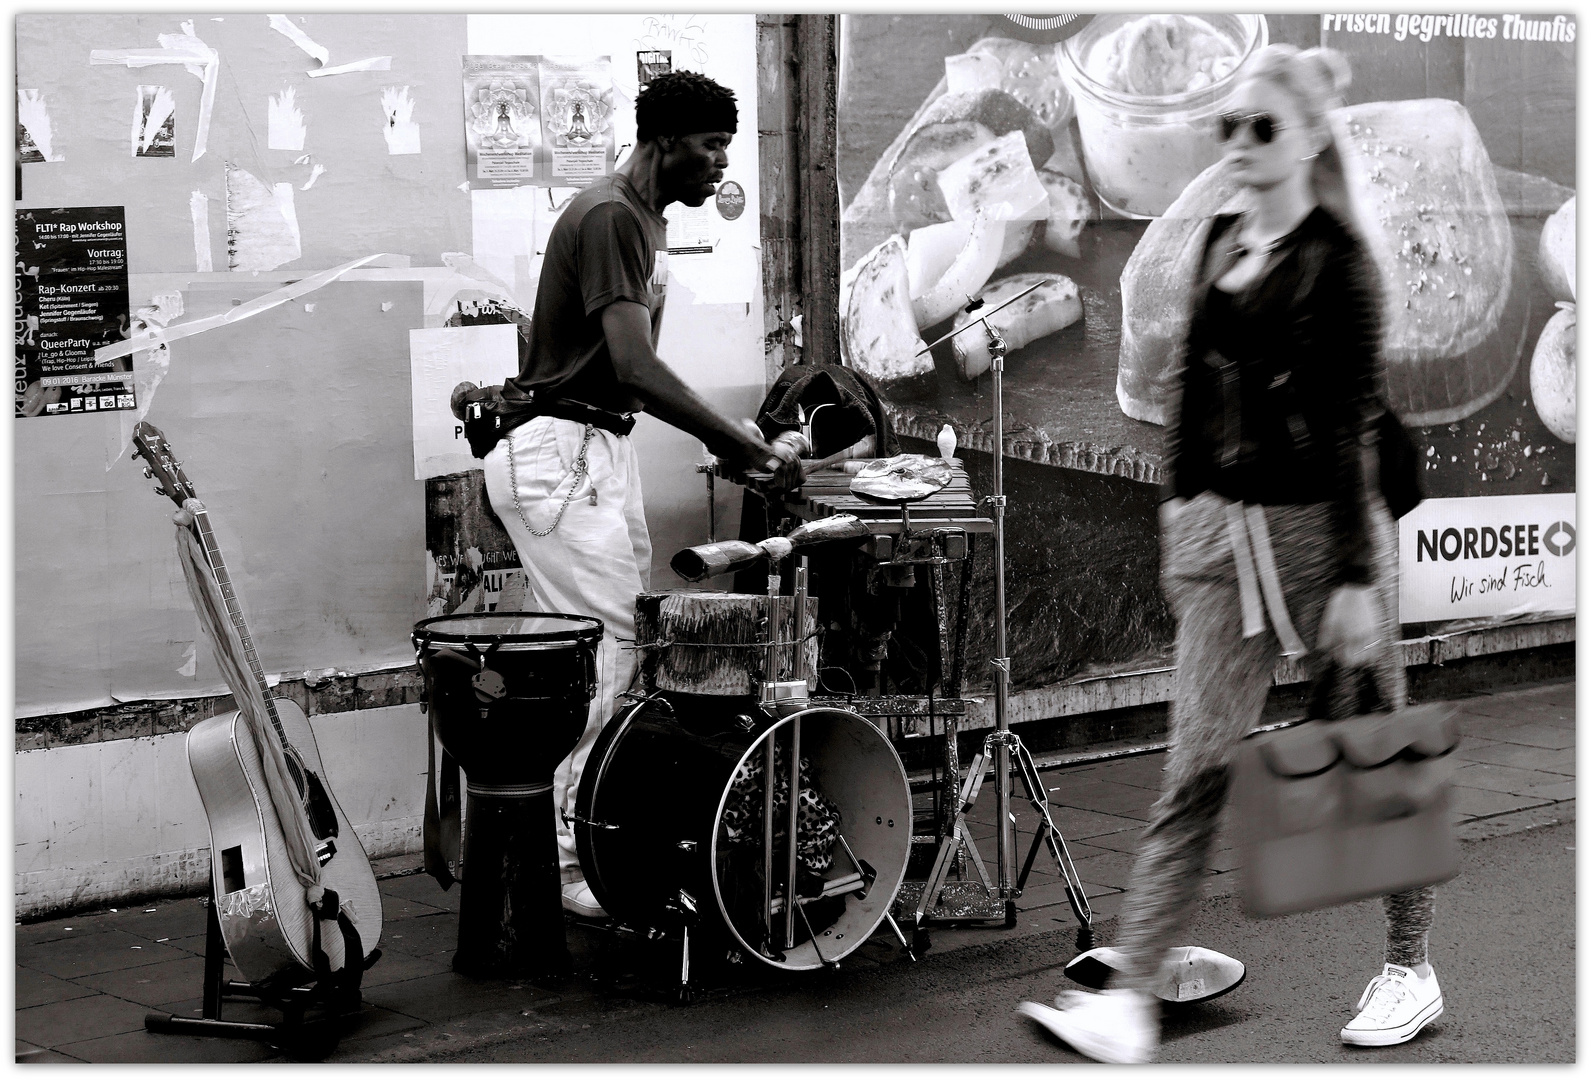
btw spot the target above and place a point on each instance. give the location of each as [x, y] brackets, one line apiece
[1494, 555]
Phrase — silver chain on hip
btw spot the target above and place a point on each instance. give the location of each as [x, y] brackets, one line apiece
[579, 475]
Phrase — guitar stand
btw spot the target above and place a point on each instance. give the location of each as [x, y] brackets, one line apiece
[308, 1030]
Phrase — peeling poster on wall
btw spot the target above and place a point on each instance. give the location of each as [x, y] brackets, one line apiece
[154, 123]
[71, 298]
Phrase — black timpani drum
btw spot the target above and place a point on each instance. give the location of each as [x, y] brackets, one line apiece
[509, 694]
[673, 835]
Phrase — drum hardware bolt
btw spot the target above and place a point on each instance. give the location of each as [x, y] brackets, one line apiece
[892, 823]
[576, 819]
[878, 821]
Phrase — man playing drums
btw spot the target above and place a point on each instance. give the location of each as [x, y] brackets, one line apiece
[566, 484]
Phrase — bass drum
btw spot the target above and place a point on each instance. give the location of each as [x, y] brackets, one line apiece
[662, 809]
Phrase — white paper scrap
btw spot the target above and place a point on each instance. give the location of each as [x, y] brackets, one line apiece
[285, 26]
[199, 207]
[401, 131]
[284, 124]
[33, 114]
[439, 359]
[314, 174]
[151, 109]
[248, 309]
[374, 63]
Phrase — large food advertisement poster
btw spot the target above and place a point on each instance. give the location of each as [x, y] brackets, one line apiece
[71, 299]
[980, 155]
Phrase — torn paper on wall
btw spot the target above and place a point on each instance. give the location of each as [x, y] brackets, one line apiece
[199, 209]
[285, 26]
[374, 63]
[150, 365]
[245, 310]
[262, 227]
[314, 174]
[154, 123]
[284, 124]
[35, 136]
[440, 359]
[201, 61]
[401, 131]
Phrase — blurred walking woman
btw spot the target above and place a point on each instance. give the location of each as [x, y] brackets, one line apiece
[1271, 535]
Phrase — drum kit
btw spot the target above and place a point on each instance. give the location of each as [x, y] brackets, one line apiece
[722, 808]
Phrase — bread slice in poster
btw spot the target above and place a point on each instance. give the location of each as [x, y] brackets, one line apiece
[914, 196]
[1440, 237]
[868, 218]
[877, 325]
[1048, 309]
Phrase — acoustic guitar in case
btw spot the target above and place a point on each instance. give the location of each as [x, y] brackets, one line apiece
[265, 917]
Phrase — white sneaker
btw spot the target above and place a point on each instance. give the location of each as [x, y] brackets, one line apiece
[578, 898]
[1393, 1008]
[1119, 1027]
[1188, 975]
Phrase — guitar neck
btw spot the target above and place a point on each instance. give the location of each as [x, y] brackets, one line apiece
[223, 580]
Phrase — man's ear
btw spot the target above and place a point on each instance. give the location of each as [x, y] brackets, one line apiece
[667, 142]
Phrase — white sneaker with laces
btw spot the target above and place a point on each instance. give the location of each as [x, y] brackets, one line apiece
[578, 898]
[1119, 1027]
[1393, 1008]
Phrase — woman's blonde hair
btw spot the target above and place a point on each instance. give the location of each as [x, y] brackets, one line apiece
[1315, 79]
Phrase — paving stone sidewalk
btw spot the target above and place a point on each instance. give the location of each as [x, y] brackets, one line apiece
[84, 983]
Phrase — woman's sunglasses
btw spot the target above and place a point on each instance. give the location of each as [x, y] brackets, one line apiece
[1263, 125]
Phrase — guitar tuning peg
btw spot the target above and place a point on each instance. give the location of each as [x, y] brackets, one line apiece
[149, 474]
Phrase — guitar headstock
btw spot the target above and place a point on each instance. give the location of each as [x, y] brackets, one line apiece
[161, 463]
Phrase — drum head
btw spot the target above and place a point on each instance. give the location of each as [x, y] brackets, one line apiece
[660, 809]
[518, 627]
[856, 771]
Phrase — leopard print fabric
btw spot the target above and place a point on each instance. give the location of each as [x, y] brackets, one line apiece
[817, 822]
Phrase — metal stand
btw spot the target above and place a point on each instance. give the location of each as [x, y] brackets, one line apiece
[301, 1036]
[1003, 744]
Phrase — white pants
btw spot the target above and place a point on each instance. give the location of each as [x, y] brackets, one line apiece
[594, 563]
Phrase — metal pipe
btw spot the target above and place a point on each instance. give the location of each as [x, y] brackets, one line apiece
[767, 838]
[1005, 840]
[794, 819]
[798, 665]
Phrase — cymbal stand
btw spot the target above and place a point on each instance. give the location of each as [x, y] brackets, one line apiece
[1003, 744]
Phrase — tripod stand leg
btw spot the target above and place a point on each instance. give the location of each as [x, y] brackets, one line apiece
[1033, 854]
[214, 959]
[1039, 799]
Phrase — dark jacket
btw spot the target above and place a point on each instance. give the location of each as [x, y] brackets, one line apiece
[1279, 386]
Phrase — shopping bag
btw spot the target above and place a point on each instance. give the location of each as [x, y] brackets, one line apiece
[1332, 811]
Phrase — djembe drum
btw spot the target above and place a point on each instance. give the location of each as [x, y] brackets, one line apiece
[509, 694]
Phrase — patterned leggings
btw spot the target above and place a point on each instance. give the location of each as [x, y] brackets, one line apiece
[1221, 685]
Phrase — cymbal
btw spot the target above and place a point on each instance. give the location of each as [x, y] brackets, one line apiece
[902, 478]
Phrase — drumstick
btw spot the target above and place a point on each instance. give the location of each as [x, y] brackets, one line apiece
[810, 467]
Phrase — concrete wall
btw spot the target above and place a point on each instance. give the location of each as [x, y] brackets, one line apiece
[100, 822]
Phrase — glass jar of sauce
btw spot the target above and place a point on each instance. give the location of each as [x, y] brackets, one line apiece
[1149, 91]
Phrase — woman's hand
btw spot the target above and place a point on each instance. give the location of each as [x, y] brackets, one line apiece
[1351, 627]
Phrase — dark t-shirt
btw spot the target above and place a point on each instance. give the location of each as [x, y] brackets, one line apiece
[607, 245]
